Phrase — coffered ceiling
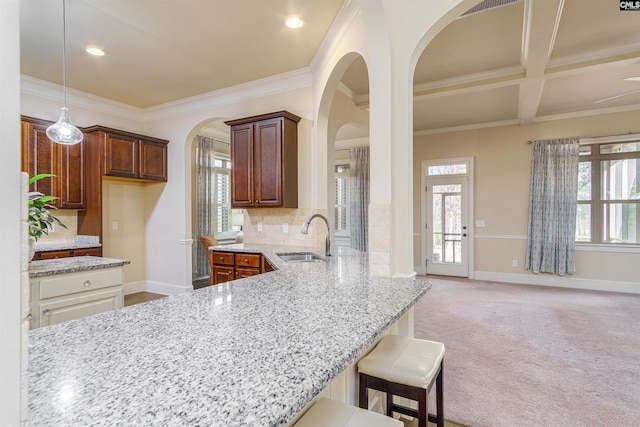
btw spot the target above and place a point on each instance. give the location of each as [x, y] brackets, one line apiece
[524, 62]
[514, 64]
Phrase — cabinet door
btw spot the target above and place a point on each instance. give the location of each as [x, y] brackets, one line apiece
[40, 155]
[242, 166]
[221, 274]
[242, 272]
[72, 174]
[62, 309]
[121, 156]
[153, 160]
[268, 163]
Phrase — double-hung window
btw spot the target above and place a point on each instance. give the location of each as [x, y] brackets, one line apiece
[609, 193]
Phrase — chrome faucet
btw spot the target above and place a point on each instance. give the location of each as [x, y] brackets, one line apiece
[327, 242]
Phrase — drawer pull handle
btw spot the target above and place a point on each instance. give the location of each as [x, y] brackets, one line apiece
[87, 283]
[221, 258]
[246, 260]
[47, 312]
[29, 317]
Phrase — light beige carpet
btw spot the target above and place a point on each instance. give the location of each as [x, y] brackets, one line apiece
[520, 355]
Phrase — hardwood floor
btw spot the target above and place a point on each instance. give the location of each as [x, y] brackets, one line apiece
[139, 297]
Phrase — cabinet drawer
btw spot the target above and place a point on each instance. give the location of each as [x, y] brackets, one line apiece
[222, 258]
[79, 305]
[248, 260]
[68, 284]
[56, 254]
[88, 252]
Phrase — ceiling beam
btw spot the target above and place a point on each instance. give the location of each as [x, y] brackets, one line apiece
[541, 21]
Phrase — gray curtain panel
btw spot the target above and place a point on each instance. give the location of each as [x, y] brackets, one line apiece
[205, 179]
[359, 197]
[553, 201]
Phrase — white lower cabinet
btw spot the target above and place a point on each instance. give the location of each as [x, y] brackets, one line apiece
[63, 297]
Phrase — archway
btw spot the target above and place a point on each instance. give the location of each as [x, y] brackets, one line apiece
[208, 184]
[347, 126]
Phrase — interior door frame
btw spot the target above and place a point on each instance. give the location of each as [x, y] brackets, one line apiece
[424, 236]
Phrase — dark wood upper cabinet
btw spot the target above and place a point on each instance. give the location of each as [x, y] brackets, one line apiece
[67, 162]
[130, 155]
[153, 160]
[264, 161]
[121, 155]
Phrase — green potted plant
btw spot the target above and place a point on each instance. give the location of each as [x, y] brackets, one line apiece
[40, 219]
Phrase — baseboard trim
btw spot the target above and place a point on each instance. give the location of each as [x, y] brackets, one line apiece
[559, 281]
[166, 288]
[134, 287]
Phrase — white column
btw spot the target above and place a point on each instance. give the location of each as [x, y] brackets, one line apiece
[13, 226]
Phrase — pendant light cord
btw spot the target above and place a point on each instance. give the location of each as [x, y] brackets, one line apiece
[64, 53]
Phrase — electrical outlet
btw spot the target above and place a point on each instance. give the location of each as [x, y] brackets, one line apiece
[480, 223]
[285, 228]
[260, 226]
[114, 225]
[514, 263]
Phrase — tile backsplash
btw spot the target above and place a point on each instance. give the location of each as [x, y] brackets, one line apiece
[272, 223]
[61, 234]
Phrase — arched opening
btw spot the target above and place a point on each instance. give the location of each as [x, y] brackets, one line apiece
[347, 130]
[208, 179]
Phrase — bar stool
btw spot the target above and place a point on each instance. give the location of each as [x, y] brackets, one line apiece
[405, 367]
[329, 413]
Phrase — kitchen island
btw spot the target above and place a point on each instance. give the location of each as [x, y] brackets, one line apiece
[251, 352]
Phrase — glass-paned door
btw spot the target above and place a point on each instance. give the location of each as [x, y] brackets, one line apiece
[447, 226]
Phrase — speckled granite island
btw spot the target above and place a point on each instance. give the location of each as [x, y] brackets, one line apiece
[252, 352]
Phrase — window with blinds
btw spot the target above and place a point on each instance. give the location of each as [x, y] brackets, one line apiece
[222, 194]
[342, 200]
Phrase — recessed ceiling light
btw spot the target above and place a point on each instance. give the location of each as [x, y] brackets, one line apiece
[294, 22]
[632, 79]
[94, 51]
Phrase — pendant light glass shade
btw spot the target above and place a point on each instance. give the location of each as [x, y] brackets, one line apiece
[63, 131]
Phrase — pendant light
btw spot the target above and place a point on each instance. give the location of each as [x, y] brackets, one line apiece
[63, 131]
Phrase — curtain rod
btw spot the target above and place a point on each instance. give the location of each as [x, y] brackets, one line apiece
[215, 139]
[619, 137]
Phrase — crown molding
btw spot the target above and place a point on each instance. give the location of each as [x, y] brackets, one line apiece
[345, 144]
[629, 49]
[53, 92]
[271, 85]
[503, 77]
[467, 127]
[587, 113]
[336, 34]
[547, 118]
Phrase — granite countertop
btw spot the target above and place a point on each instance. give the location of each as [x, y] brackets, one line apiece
[252, 352]
[72, 265]
[79, 242]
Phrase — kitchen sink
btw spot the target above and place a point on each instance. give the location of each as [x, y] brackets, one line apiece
[300, 257]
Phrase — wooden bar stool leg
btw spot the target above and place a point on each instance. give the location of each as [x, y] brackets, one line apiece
[389, 404]
[363, 394]
[423, 410]
[440, 398]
